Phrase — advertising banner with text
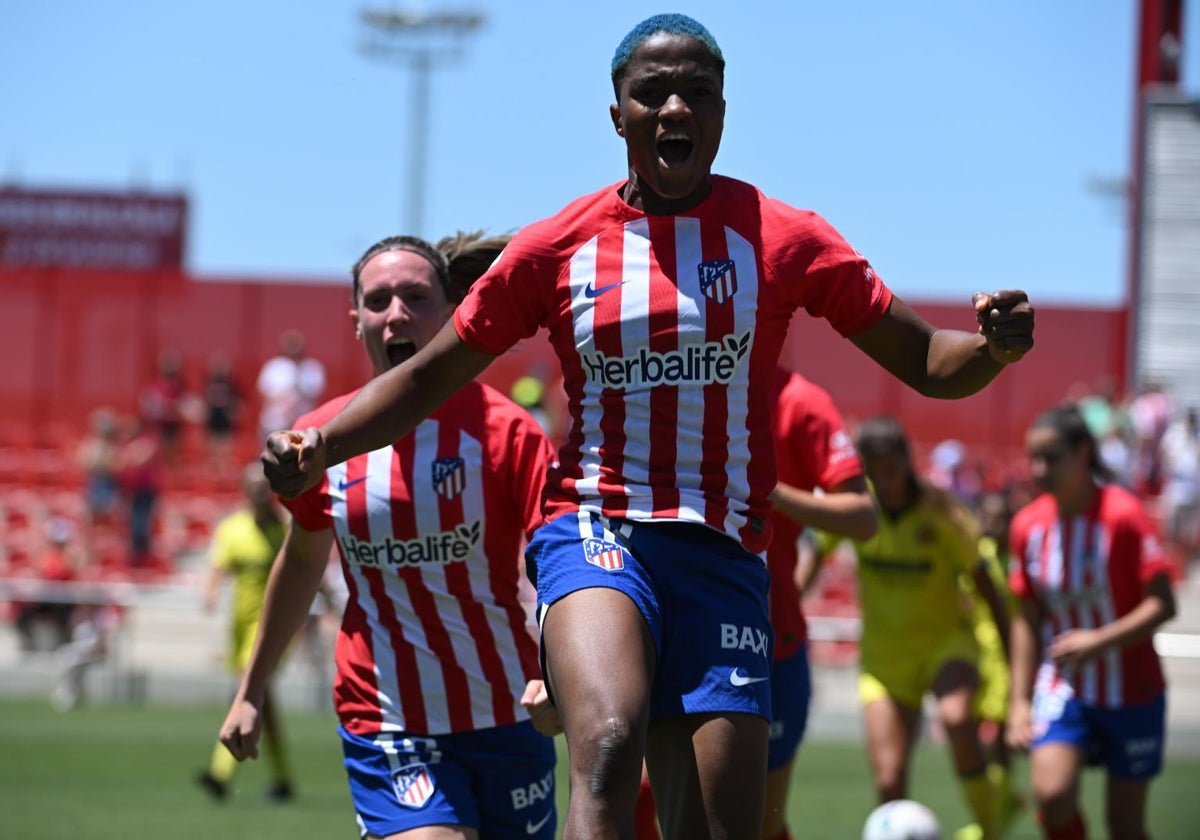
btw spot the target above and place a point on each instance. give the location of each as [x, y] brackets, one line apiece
[137, 231]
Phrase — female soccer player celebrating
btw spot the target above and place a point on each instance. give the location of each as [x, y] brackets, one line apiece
[434, 655]
[1093, 584]
[667, 297]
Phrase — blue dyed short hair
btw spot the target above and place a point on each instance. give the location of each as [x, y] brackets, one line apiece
[670, 24]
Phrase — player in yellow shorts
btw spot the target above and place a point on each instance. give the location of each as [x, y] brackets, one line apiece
[916, 636]
[991, 700]
[244, 548]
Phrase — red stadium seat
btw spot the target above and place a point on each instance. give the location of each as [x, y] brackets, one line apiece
[15, 465]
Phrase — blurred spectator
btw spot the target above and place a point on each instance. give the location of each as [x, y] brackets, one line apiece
[1181, 486]
[141, 478]
[949, 470]
[165, 403]
[290, 385]
[1116, 455]
[222, 406]
[970, 483]
[99, 456]
[1099, 409]
[944, 459]
[1149, 413]
[44, 625]
[92, 624]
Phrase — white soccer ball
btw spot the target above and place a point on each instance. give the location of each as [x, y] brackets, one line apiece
[902, 819]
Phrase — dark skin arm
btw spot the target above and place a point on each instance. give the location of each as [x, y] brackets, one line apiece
[945, 363]
[935, 362]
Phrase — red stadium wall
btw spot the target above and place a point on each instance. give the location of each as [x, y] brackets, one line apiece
[1077, 349]
[75, 340]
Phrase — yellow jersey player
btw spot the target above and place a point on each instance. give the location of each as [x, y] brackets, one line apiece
[916, 637]
[990, 626]
[244, 547]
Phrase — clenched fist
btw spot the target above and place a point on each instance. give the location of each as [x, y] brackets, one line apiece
[293, 461]
[1006, 321]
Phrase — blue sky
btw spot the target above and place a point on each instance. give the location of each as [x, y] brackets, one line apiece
[956, 144]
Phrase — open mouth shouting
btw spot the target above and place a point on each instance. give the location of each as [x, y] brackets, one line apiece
[674, 148]
[400, 350]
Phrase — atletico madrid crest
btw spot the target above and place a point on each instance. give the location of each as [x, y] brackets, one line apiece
[413, 785]
[606, 555]
[449, 476]
[718, 280]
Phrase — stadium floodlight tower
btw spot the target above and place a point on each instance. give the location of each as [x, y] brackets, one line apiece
[420, 40]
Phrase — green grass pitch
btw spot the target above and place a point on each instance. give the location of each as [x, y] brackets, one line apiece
[119, 772]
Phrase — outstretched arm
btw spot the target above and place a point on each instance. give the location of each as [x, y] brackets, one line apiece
[947, 363]
[294, 582]
[390, 406]
[847, 509]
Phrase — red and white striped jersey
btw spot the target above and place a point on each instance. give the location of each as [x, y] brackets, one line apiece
[1087, 571]
[668, 329]
[813, 449]
[430, 532]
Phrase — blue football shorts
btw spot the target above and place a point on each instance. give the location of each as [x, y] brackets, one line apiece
[703, 596]
[1127, 741]
[791, 693]
[499, 781]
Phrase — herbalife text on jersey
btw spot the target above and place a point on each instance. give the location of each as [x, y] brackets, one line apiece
[712, 361]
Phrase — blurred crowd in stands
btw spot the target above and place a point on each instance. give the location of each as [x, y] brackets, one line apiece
[125, 497]
[1150, 445]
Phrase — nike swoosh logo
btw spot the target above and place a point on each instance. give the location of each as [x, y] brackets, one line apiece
[344, 484]
[591, 291]
[535, 827]
[738, 680]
